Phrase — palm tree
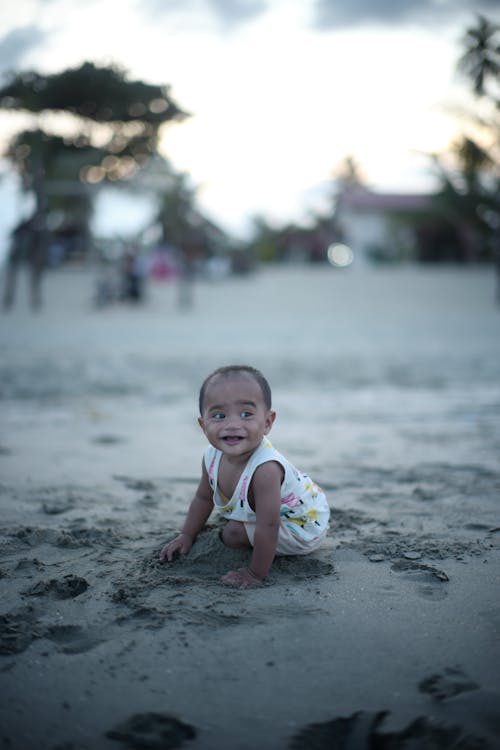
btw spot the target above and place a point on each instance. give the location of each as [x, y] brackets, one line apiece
[480, 62]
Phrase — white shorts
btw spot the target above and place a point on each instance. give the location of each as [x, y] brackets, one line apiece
[288, 543]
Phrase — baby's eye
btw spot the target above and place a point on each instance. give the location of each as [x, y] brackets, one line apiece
[245, 414]
[218, 415]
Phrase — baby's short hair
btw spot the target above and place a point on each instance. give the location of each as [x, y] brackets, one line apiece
[228, 370]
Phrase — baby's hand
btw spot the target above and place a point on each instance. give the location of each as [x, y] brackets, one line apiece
[181, 543]
[243, 578]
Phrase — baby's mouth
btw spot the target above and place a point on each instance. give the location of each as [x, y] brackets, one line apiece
[232, 439]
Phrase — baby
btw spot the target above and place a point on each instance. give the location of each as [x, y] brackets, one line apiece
[270, 507]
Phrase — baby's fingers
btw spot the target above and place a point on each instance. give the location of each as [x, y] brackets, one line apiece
[232, 578]
[241, 578]
[167, 552]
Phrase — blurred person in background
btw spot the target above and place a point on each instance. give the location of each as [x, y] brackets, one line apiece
[132, 277]
[29, 246]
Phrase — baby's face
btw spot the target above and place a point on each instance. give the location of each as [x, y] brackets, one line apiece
[235, 417]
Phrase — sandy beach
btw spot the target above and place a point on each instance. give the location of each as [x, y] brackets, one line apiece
[386, 384]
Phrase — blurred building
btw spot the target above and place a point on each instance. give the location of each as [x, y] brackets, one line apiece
[395, 227]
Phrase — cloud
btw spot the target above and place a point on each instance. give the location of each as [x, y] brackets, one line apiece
[15, 45]
[331, 14]
[237, 11]
[229, 13]
[233, 12]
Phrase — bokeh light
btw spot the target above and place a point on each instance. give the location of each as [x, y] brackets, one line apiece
[340, 255]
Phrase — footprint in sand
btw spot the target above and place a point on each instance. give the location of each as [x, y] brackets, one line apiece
[20, 628]
[428, 578]
[58, 505]
[443, 686]
[17, 630]
[302, 568]
[154, 731]
[62, 588]
[72, 639]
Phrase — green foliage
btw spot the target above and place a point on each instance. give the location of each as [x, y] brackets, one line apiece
[132, 111]
[115, 131]
[176, 209]
[102, 94]
[470, 189]
[480, 61]
[59, 157]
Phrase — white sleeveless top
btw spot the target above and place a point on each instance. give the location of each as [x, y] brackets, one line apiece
[304, 509]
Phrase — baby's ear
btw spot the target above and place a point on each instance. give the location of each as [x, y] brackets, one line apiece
[201, 423]
[271, 416]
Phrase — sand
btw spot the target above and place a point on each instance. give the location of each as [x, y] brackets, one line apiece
[387, 389]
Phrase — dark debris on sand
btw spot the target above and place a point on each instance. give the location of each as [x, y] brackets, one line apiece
[364, 731]
[152, 731]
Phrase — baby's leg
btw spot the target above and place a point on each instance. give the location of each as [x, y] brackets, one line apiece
[235, 536]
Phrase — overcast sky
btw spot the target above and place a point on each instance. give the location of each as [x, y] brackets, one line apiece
[281, 91]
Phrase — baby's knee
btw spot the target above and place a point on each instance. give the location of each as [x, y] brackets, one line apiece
[234, 535]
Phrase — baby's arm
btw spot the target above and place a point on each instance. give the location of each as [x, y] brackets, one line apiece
[266, 488]
[266, 485]
[199, 510]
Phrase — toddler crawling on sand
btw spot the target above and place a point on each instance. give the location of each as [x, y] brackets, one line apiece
[270, 507]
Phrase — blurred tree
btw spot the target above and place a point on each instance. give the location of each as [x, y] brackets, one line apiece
[183, 225]
[470, 178]
[264, 242]
[480, 61]
[110, 128]
[186, 235]
[348, 174]
[288, 242]
[177, 214]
